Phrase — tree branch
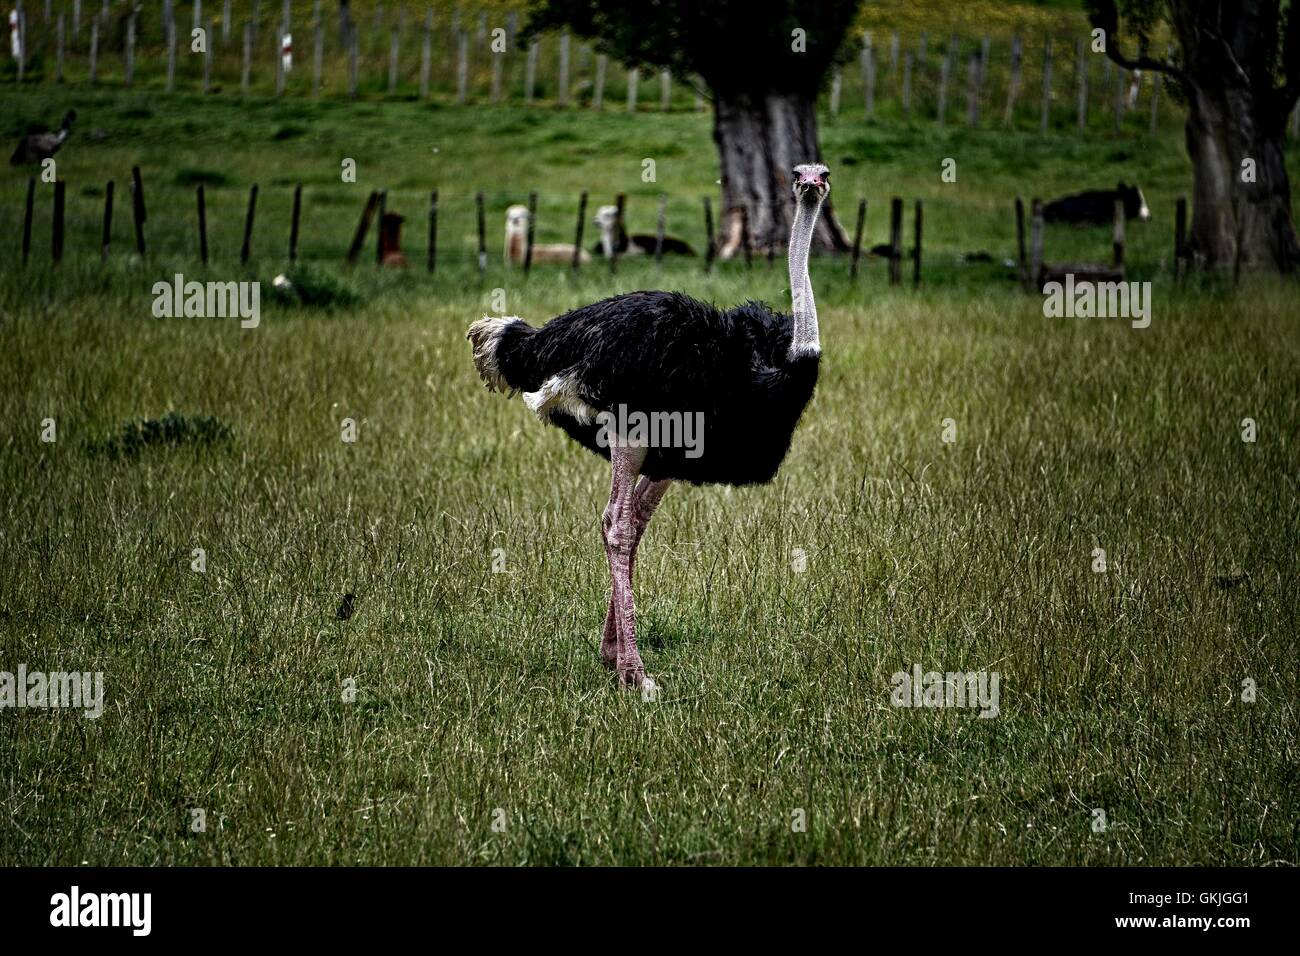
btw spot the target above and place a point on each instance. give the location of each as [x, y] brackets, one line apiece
[1291, 57]
[1103, 14]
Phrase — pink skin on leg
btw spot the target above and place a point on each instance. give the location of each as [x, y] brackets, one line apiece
[645, 499]
[618, 526]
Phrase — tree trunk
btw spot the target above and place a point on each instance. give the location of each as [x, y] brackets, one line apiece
[1233, 217]
[760, 139]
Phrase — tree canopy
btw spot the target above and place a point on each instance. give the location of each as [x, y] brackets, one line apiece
[735, 46]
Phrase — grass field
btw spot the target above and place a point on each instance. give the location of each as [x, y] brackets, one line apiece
[479, 695]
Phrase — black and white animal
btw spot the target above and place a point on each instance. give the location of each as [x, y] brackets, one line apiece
[1097, 206]
[613, 237]
[37, 147]
[607, 373]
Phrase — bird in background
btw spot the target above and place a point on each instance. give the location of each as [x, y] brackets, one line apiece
[738, 379]
[37, 147]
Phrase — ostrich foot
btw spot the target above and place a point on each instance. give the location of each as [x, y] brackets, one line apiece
[634, 677]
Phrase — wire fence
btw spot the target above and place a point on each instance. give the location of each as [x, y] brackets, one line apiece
[1044, 83]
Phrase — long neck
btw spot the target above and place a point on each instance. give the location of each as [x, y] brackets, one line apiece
[805, 340]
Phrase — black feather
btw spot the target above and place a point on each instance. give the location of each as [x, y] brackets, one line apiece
[663, 352]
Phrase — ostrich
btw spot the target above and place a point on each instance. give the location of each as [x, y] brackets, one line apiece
[37, 147]
[517, 242]
[636, 244]
[601, 371]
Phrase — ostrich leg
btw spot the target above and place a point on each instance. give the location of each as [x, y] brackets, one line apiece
[618, 530]
[645, 500]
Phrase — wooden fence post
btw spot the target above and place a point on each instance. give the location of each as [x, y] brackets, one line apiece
[710, 250]
[1036, 247]
[1013, 84]
[895, 240]
[462, 67]
[620, 206]
[984, 64]
[973, 92]
[869, 81]
[907, 86]
[633, 75]
[426, 55]
[837, 79]
[482, 233]
[170, 57]
[353, 65]
[433, 231]
[207, 57]
[598, 95]
[28, 211]
[532, 230]
[1021, 258]
[498, 76]
[200, 200]
[1119, 101]
[1180, 240]
[394, 52]
[1081, 84]
[916, 251]
[530, 71]
[857, 238]
[367, 214]
[317, 56]
[247, 247]
[562, 93]
[1117, 236]
[1155, 104]
[94, 48]
[130, 50]
[666, 91]
[659, 229]
[1047, 86]
[245, 72]
[106, 234]
[945, 66]
[138, 212]
[293, 224]
[577, 238]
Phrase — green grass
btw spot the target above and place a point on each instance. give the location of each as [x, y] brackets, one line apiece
[479, 690]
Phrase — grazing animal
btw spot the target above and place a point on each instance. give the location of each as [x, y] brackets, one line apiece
[517, 242]
[619, 374]
[37, 147]
[614, 238]
[390, 241]
[1097, 206]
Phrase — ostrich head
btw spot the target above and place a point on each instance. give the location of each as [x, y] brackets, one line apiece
[811, 181]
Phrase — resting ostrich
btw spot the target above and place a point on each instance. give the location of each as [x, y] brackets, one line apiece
[517, 242]
[745, 374]
[37, 147]
[636, 244]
